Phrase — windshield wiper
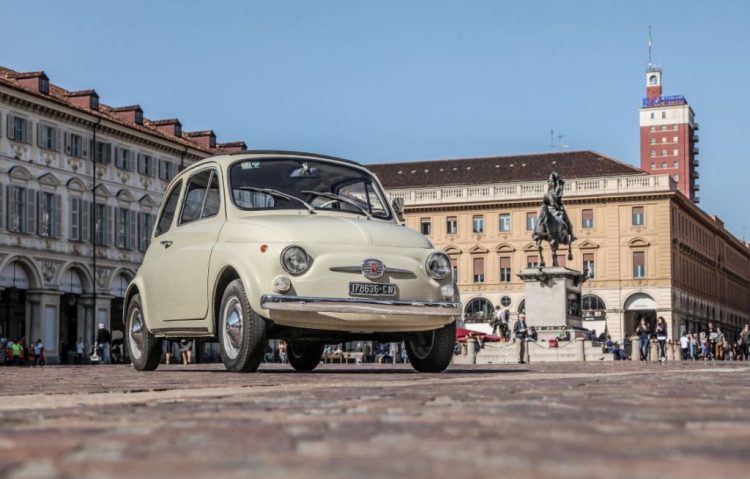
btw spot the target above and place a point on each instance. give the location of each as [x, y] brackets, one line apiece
[278, 194]
[334, 196]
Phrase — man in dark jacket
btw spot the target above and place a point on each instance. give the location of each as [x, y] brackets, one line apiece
[103, 340]
[520, 332]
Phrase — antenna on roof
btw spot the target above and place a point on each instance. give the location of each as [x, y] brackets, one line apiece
[560, 143]
[650, 44]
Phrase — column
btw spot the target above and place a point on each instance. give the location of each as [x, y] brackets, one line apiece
[87, 303]
[43, 320]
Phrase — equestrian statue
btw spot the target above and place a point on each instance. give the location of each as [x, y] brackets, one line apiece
[553, 224]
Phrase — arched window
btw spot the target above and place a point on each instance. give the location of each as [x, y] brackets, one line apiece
[478, 310]
[592, 302]
[522, 307]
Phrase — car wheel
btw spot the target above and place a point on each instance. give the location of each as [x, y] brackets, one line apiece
[432, 351]
[242, 332]
[143, 347]
[305, 356]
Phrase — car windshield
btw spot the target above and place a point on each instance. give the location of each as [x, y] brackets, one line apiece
[269, 184]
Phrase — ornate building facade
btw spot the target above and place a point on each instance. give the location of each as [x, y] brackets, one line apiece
[650, 251]
[80, 184]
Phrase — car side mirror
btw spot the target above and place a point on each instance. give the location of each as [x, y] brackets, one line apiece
[398, 206]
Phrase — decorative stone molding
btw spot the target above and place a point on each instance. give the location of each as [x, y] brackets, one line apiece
[75, 163]
[49, 269]
[124, 176]
[102, 277]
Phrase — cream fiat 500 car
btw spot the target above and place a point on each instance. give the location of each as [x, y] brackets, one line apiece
[294, 246]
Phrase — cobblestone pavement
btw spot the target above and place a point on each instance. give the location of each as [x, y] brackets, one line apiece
[550, 421]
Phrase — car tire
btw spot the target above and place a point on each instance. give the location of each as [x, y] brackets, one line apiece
[242, 332]
[143, 347]
[432, 351]
[304, 356]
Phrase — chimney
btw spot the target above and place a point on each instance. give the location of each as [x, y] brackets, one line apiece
[205, 138]
[130, 114]
[84, 98]
[171, 126]
[232, 147]
[35, 81]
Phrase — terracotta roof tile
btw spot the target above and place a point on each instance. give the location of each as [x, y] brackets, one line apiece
[499, 169]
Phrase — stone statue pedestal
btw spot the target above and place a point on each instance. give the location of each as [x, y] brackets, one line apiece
[553, 301]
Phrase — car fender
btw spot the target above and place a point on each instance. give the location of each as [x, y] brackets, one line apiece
[136, 286]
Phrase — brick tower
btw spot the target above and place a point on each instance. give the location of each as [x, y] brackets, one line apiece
[668, 135]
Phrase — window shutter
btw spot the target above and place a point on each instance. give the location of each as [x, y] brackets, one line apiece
[10, 126]
[108, 225]
[118, 222]
[40, 207]
[12, 208]
[28, 132]
[68, 148]
[2, 212]
[86, 145]
[58, 139]
[58, 216]
[30, 211]
[74, 219]
[85, 220]
[39, 138]
[140, 163]
[132, 231]
[118, 159]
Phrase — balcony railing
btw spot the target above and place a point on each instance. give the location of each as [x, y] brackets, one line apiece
[534, 190]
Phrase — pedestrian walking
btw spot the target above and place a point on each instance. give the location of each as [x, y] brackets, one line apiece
[15, 355]
[79, 351]
[520, 331]
[103, 342]
[745, 342]
[661, 338]
[38, 353]
[644, 335]
[693, 345]
[166, 350]
[719, 351]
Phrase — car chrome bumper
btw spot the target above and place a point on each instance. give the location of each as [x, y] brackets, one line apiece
[358, 305]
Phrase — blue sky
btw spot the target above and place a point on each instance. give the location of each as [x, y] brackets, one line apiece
[382, 81]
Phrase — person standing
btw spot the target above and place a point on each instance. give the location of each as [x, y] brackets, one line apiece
[166, 350]
[719, 351]
[186, 348]
[684, 346]
[661, 338]
[745, 342]
[79, 351]
[103, 341]
[644, 334]
[38, 353]
[520, 332]
[497, 320]
[15, 349]
[282, 352]
[693, 345]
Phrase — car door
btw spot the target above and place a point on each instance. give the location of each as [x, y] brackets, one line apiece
[150, 268]
[183, 269]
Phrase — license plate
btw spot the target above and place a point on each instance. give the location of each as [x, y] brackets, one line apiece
[372, 289]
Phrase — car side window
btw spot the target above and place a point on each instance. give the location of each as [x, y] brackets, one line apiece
[195, 195]
[167, 214]
[213, 195]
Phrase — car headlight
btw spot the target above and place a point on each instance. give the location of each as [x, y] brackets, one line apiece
[294, 260]
[438, 266]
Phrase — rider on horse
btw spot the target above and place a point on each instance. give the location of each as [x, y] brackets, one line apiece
[553, 224]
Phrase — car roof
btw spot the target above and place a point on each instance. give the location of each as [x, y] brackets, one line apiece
[275, 153]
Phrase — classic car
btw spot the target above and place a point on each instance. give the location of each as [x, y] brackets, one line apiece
[289, 246]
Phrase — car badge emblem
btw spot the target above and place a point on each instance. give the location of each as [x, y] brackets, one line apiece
[372, 268]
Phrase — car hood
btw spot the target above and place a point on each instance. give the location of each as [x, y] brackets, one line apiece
[328, 229]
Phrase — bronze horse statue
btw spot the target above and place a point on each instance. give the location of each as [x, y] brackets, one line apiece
[553, 224]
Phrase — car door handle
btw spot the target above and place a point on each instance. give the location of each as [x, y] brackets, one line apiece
[166, 243]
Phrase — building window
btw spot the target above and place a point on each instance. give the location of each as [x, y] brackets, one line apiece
[103, 227]
[653, 141]
[639, 264]
[21, 210]
[674, 139]
[425, 226]
[47, 137]
[479, 270]
[49, 215]
[653, 165]
[663, 164]
[664, 128]
[478, 310]
[80, 219]
[505, 275]
[675, 164]
[125, 236]
[663, 115]
[532, 261]
[589, 265]
[653, 129]
[74, 145]
[451, 225]
[505, 301]
[587, 218]
[674, 127]
[638, 216]
[653, 154]
[675, 152]
[19, 129]
[145, 227]
[663, 139]
[146, 165]
[663, 152]
[676, 177]
[478, 224]
[103, 152]
[652, 115]
[504, 223]
[530, 221]
[123, 159]
[166, 170]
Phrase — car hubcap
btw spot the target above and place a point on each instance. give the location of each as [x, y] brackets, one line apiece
[233, 327]
[421, 345]
[137, 334]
